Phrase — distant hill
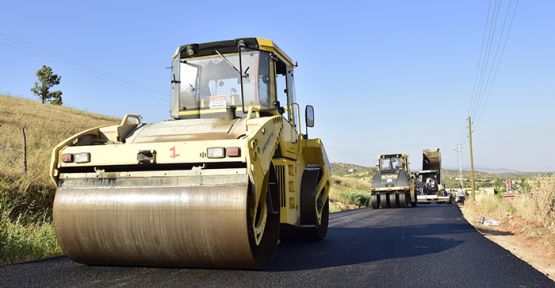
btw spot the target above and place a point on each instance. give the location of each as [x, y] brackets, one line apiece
[449, 176]
[343, 169]
[495, 170]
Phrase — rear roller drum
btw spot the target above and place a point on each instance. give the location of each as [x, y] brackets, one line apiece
[290, 233]
[321, 229]
[314, 211]
[263, 223]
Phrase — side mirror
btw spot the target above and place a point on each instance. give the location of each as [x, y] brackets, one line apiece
[309, 116]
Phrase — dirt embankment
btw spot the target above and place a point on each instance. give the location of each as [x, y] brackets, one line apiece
[523, 225]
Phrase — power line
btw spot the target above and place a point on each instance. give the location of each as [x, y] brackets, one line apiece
[494, 41]
[490, 67]
[487, 77]
[501, 47]
[486, 25]
[79, 66]
[348, 153]
[486, 63]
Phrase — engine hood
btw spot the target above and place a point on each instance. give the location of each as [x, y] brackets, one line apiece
[187, 130]
[390, 179]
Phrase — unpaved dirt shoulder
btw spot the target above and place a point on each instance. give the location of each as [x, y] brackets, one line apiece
[509, 236]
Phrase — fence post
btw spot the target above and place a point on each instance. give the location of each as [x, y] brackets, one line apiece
[24, 150]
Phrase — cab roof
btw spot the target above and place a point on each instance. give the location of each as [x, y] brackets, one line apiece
[230, 46]
[383, 156]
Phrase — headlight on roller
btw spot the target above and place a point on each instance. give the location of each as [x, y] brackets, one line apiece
[215, 152]
[82, 157]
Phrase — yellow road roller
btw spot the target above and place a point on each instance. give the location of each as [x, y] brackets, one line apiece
[217, 186]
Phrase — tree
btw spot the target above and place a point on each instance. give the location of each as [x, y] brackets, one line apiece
[47, 79]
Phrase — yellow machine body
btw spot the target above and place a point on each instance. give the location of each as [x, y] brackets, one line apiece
[215, 191]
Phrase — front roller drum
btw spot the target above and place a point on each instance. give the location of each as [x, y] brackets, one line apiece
[202, 226]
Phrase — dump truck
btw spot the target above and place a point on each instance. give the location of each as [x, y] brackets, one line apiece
[428, 181]
[393, 185]
[217, 186]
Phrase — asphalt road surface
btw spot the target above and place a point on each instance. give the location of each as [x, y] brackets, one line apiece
[428, 246]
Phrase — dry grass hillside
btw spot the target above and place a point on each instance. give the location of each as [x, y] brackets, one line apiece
[26, 198]
[350, 186]
[45, 125]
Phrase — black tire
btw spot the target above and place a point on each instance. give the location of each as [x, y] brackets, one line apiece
[403, 203]
[383, 201]
[375, 201]
[393, 203]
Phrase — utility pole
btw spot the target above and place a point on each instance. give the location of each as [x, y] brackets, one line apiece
[471, 158]
[459, 150]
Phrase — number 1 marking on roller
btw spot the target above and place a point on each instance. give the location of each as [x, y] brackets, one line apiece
[173, 153]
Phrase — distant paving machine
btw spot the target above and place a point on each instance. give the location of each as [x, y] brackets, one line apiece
[428, 181]
[216, 186]
[392, 185]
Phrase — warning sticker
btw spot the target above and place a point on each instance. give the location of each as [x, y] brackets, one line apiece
[217, 102]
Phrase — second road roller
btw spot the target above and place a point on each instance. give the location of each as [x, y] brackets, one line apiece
[393, 184]
[217, 185]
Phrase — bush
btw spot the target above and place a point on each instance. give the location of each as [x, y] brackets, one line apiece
[356, 197]
[536, 206]
[20, 242]
[351, 192]
[543, 196]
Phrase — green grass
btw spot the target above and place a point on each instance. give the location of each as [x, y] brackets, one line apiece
[349, 192]
[24, 242]
[26, 198]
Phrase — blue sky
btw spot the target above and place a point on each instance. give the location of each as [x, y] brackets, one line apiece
[384, 76]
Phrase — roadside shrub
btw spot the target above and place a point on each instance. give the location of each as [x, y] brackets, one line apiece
[351, 192]
[20, 242]
[357, 197]
[543, 196]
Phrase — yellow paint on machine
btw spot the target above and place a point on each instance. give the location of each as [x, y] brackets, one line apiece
[150, 195]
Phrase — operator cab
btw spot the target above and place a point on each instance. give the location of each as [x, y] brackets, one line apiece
[216, 79]
[392, 162]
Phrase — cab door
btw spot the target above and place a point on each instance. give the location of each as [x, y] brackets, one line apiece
[285, 94]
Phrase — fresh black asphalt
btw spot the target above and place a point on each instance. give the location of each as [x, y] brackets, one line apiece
[427, 246]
